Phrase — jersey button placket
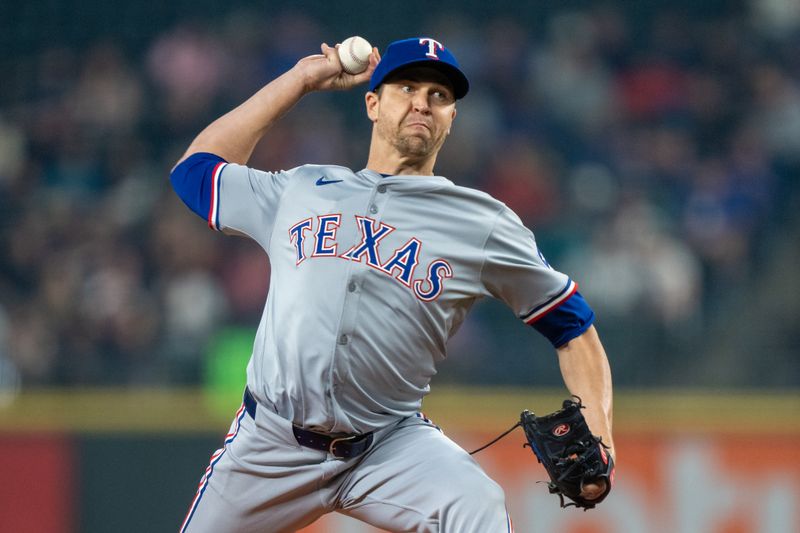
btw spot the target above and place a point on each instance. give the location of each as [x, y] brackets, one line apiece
[378, 200]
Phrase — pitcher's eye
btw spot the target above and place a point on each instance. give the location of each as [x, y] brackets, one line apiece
[443, 96]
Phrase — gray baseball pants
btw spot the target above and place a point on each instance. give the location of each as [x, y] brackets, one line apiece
[413, 478]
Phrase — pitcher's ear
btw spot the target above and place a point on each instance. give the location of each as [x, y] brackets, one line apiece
[372, 103]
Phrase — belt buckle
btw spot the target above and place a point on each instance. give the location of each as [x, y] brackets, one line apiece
[337, 440]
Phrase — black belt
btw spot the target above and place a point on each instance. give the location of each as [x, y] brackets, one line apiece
[344, 447]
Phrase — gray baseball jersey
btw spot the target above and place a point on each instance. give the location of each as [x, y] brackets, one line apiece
[370, 277]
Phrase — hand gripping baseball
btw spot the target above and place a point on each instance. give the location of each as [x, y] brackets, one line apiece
[324, 72]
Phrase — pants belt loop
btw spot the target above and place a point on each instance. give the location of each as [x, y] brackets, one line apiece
[249, 403]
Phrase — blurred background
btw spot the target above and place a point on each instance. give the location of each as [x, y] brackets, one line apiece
[653, 147]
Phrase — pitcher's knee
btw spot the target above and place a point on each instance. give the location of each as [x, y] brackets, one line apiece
[476, 509]
[490, 499]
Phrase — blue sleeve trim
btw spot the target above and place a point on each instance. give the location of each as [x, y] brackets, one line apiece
[569, 320]
[193, 181]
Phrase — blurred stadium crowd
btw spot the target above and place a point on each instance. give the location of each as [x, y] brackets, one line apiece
[656, 162]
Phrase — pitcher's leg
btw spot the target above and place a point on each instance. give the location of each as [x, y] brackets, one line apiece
[261, 481]
[417, 479]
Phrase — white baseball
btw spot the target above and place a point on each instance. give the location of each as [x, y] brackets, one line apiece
[354, 54]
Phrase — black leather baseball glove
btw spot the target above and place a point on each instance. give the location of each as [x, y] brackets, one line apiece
[569, 452]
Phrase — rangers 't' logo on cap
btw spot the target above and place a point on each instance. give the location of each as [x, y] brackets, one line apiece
[432, 46]
[561, 430]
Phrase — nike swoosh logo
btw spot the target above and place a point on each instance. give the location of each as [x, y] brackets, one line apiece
[323, 181]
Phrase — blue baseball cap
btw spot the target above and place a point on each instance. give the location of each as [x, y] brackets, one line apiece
[422, 51]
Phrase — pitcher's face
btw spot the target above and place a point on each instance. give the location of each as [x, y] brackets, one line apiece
[413, 111]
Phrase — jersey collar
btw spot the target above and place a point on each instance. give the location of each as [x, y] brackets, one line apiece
[406, 182]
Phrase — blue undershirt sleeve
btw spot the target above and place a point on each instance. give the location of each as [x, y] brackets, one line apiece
[192, 180]
[567, 321]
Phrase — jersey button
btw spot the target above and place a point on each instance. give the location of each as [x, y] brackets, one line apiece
[381, 189]
[343, 339]
[352, 286]
[373, 209]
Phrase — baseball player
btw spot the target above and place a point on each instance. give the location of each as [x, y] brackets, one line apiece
[372, 271]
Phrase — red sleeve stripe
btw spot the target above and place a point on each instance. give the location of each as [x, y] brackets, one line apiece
[213, 207]
[538, 312]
